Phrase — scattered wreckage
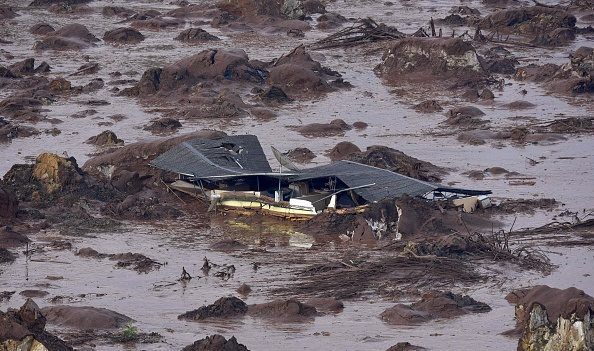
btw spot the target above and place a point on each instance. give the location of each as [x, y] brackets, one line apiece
[233, 173]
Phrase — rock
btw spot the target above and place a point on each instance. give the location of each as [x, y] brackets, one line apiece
[136, 261]
[165, 125]
[41, 29]
[84, 317]
[9, 204]
[487, 94]
[360, 125]
[24, 330]
[428, 106]
[554, 319]
[123, 35]
[448, 60]
[34, 293]
[106, 138]
[433, 305]
[227, 245]
[283, 310]
[88, 252]
[334, 128]
[196, 35]
[465, 111]
[300, 155]
[56, 172]
[343, 150]
[225, 307]
[216, 343]
[70, 37]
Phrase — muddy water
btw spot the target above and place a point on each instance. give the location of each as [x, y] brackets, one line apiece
[155, 299]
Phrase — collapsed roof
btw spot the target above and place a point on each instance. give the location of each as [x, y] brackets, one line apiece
[242, 155]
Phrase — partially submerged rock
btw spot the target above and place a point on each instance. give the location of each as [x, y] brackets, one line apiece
[433, 305]
[553, 319]
[105, 138]
[405, 346]
[196, 35]
[123, 35]
[300, 155]
[164, 126]
[24, 329]
[70, 37]
[343, 150]
[216, 343]
[283, 310]
[316, 130]
[225, 307]
[9, 204]
[451, 61]
[84, 317]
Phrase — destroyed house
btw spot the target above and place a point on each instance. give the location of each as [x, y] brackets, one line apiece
[233, 172]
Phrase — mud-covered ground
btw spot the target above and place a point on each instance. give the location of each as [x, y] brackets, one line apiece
[525, 145]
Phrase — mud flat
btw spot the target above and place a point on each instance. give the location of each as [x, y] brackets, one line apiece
[87, 227]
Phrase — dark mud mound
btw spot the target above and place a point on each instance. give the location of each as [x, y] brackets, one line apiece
[41, 29]
[225, 307]
[326, 304]
[428, 106]
[158, 23]
[106, 138]
[343, 150]
[196, 35]
[25, 328]
[319, 130]
[544, 26]
[65, 3]
[575, 77]
[11, 239]
[433, 305]
[6, 256]
[405, 346]
[136, 261]
[163, 126]
[421, 60]
[6, 12]
[299, 75]
[399, 162]
[227, 245]
[283, 310]
[553, 319]
[84, 317]
[119, 11]
[216, 343]
[9, 204]
[253, 10]
[70, 37]
[123, 35]
[300, 155]
[210, 64]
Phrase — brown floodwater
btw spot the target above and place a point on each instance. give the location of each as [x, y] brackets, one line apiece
[564, 172]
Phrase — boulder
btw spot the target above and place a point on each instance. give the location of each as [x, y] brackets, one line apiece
[56, 172]
[335, 127]
[553, 319]
[47, 3]
[123, 35]
[6, 12]
[283, 310]
[343, 150]
[165, 125]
